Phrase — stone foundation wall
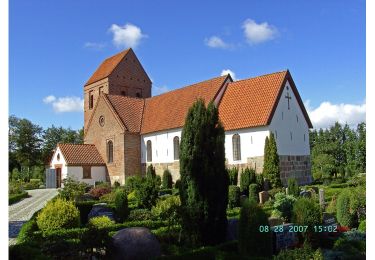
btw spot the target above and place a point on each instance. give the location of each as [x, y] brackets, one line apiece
[295, 166]
[174, 168]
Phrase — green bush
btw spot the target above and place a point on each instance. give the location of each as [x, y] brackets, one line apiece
[16, 187]
[253, 192]
[167, 180]
[283, 206]
[13, 198]
[233, 176]
[147, 192]
[233, 196]
[168, 210]
[274, 191]
[84, 208]
[245, 182]
[353, 244]
[252, 175]
[121, 204]
[293, 188]
[58, 214]
[72, 189]
[252, 242]
[345, 216]
[259, 181]
[177, 184]
[132, 183]
[26, 252]
[305, 252]
[100, 190]
[362, 226]
[27, 230]
[150, 173]
[100, 222]
[306, 212]
[109, 197]
[140, 215]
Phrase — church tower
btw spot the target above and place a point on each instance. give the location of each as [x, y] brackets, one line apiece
[121, 74]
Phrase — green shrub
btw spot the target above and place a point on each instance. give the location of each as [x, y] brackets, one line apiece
[167, 209]
[274, 191]
[132, 183]
[109, 197]
[167, 180]
[233, 196]
[271, 168]
[27, 230]
[252, 175]
[140, 215]
[253, 192]
[177, 184]
[84, 208]
[121, 204]
[353, 244]
[233, 176]
[362, 226]
[251, 241]
[332, 205]
[306, 212]
[245, 182]
[100, 222]
[259, 181]
[58, 214]
[26, 251]
[72, 189]
[16, 187]
[283, 206]
[345, 215]
[305, 252]
[116, 184]
[147, 193]
[293, 188]
[13, 198]
[150, 173]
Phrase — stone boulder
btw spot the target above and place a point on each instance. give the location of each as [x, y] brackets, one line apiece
[134, 243]
[101, 209]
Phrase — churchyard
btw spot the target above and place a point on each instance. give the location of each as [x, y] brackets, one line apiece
[211, 212]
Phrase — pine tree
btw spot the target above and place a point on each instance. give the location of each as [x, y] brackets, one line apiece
[204, 180]
[271, 169]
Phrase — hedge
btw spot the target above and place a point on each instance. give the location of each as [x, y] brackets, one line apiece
[84, 208]
[13, 198]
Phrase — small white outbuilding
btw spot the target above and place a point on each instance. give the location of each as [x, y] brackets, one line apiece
[81, 162]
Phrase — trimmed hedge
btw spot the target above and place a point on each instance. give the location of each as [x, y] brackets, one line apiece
[293, 188]
[233, 196]
[121, 204]
[167, 180]
[253, 192]
[346, 216]
[84, 208]
[17, 197]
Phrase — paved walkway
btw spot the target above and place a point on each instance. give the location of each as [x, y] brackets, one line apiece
[22, 211]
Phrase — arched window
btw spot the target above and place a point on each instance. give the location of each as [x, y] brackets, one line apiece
[149, 151]
[236, 141]
[176, 147]
[110, 151]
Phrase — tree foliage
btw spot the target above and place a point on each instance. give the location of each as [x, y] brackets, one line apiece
[271, 168]
[204, 180]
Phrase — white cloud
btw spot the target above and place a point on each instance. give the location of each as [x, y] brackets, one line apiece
[159, 90]
[216, 42]
[257, 33]
[94, 46]
[49, 99]
[228, 71]
[65, 104]
[127, 35]
[327, 114]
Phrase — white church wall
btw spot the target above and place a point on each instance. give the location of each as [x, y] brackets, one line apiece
[97, 174]
[60, 163]
[252, 143]
[289, 126]
[162, 145]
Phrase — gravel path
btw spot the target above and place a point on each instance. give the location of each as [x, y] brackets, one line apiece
[22, 211]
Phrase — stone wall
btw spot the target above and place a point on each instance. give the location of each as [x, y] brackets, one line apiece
[295, 166]
[174, 168]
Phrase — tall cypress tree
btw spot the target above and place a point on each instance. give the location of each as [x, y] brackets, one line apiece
[204, 180]
[271, 169]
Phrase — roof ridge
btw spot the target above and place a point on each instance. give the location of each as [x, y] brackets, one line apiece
[121, 96]
[263, 75]
[126, 50]
[188, 86]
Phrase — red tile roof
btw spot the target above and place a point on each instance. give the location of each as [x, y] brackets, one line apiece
[168, 111]
[252, 102]
[129, 109]
[107, 66]
[81, 154]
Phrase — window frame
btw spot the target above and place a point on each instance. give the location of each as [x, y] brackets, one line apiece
[149, 151]
[236, 147]
[109, 151]
[86, 169]
[176, 152]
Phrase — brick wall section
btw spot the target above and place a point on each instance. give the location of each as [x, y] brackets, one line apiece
[295, 166]
[132, 154]
[99, 136]
[130, 77]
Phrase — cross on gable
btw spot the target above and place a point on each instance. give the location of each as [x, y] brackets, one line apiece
[289, 98]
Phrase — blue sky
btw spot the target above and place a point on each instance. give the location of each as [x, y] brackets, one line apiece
[55, 46]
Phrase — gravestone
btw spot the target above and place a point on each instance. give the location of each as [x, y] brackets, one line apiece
[329, 219]
[305, 194]
[134, 243]
[263, 196]
[101, 209]
[287, 191]
[284, 239]
[321, 198]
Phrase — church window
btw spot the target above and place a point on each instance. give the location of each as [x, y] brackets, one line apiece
[176, 147]
[101, 121]
[58, 157]
[109, 151]
[297, 118]
[291, 136]
[86, 172]
[236, 142]
[149, 151]
[138, 94]
[91, 100]
[123, 93]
